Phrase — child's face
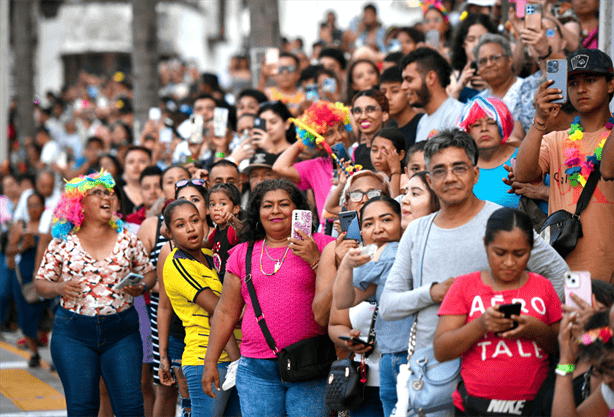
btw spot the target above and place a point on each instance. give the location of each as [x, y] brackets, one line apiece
[416, 163]
[220, 206]
[588, 91]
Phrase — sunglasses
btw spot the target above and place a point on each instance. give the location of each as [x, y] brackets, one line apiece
[287, 68]
[183, 183]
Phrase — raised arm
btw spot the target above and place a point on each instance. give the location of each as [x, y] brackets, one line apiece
[284, 165]
[527, 166]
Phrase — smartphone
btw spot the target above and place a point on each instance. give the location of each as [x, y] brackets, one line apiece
[155, 113]
[260, 124]
[354, 340]
[533, 16]
[130, 279]
[354, 231]
[311, 92]
[432, 38]
[196, 135]
[556, 69]
[272, 58]
[220, 122]
[345, 218]
[340, 152]
[474, 66]
[520, 4]
[301, 219]
[329, 85]
[509, 310]
[579, 283]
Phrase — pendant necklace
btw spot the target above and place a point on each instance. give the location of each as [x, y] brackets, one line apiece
[278, 262]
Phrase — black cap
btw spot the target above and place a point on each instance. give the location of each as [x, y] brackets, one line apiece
[589, 60]
[261, 159]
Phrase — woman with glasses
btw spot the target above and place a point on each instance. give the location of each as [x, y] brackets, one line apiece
[327, 123]
[369, 113]
[283, 273]
[279, 133]
[490, 123]
[96, 328]
[493, 55]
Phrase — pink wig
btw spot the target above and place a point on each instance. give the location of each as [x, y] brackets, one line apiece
[492, 107]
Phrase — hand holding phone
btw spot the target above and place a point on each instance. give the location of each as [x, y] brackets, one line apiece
[130, 279]
[578, 283]
[354, 340]
[511, 309]
[301, 220]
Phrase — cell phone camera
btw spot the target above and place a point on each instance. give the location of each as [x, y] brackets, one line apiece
[553, 67]
[572, 280]
[530, 9]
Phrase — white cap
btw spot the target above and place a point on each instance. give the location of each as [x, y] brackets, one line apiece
[482, 2]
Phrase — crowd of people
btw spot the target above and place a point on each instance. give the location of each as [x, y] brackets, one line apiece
[381, 195]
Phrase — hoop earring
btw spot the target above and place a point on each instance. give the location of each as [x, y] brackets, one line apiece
[257, 223]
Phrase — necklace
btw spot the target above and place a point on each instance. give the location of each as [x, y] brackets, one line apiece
[578, 171]
[497, 287]
[278, 262]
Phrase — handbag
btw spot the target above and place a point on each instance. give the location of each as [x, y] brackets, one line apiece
[27, 290]
[562, 229]
[424, 384]
[305, 360]
[347, 378]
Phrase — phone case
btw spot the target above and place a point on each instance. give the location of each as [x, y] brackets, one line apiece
[340, 152]
[520, 4]
[533, 16]
[196, 135]
[579, 283]
[354, 231]
[345, 218]
[130, 279]
[433, 37]
[220, 122]
[556, 69]
[301, 219]
[260, 124]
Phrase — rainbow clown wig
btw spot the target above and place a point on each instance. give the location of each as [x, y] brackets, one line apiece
[492, 107]
[68, 215]
[317, 119]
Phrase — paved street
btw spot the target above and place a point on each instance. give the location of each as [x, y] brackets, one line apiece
[27, 391]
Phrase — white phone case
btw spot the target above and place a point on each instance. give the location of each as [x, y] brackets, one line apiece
[579, 283]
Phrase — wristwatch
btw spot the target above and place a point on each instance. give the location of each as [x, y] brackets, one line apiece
[564, 369]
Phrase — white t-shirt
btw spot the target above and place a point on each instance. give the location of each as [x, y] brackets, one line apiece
[444, 117]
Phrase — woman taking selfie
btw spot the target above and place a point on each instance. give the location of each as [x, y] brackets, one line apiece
[96, 323]
[283, 271]
[504, 352]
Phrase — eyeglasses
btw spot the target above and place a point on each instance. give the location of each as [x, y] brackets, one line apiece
[183, 183]
[358, 195]
[287, 68]
[494, 58]
[102, 194]
[458, 170]
[369, 110]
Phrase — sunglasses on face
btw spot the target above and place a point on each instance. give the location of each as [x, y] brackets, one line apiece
[287, 68]
[183, 183]
[102, 193]
[369, 110]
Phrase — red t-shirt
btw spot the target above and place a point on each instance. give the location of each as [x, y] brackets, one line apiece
[494, 367]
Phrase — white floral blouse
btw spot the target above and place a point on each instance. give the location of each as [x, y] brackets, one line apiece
[65, 259]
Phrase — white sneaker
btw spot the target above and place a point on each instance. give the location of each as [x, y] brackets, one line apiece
[231, 375]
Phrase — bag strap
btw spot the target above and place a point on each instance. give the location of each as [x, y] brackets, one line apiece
[588, 190]
[255, 304]
[371, 336]
[416, 284]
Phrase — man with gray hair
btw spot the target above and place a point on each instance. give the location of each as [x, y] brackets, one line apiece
[453, 239]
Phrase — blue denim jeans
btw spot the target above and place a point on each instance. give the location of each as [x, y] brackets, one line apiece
[263, 393]
[202, 404]
[83, 348]
[371, 406]
[388, 372]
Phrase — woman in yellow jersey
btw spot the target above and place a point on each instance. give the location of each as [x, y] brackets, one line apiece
[193, 288]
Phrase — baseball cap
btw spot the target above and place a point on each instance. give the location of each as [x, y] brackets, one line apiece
[589, 60]
[260, 159]
[482, 2]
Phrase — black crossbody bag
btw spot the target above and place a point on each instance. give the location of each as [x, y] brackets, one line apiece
[562, 229]
[306, 360]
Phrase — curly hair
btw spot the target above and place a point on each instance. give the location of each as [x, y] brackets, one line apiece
[68, 215]
[254, 231]
[318, 118]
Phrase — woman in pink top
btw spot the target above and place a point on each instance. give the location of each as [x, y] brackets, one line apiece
[330, 122]
[283, 271]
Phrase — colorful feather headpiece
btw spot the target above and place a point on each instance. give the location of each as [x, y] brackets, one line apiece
[68, 215]
[434, 4]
